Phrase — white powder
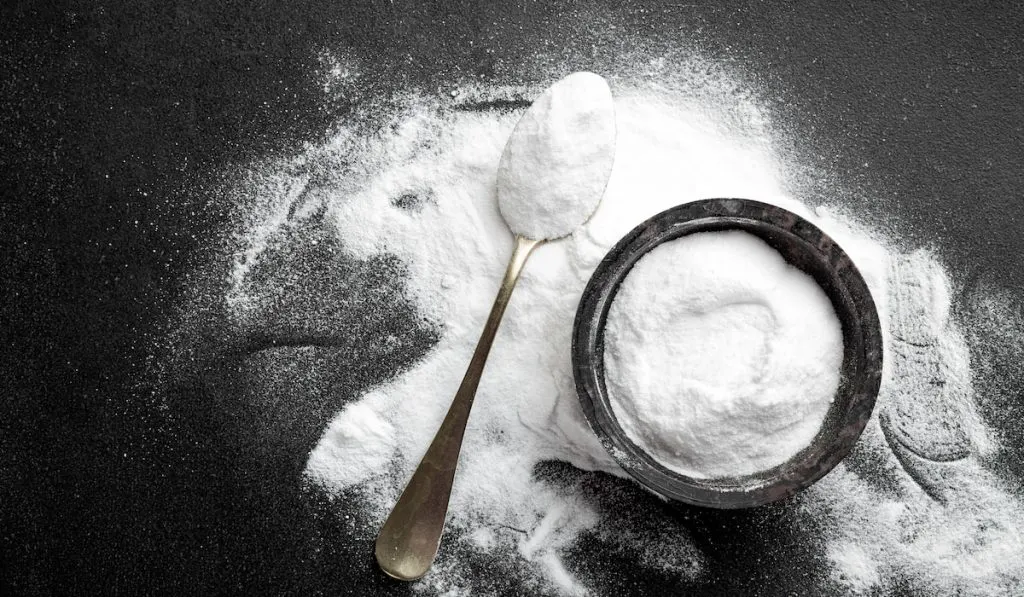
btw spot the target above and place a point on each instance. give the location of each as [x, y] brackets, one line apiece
[360, 447]
[686, 130]
[722, 359]
[555, 165]
[454, 247]
[914, 505]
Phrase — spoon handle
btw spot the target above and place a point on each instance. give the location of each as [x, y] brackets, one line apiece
[408, 541]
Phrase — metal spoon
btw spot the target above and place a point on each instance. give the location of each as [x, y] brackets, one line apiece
[574, 122]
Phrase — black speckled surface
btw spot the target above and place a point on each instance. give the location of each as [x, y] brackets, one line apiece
[112, 112]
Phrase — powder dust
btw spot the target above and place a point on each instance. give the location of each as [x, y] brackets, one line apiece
[914, 505]
[942, 521]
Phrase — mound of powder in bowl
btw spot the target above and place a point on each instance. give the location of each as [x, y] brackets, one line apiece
[722, 359]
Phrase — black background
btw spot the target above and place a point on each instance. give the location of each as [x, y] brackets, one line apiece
[111, 112]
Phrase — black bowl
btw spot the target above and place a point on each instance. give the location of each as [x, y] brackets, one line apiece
[804, 246]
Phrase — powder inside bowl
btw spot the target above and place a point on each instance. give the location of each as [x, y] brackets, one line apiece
[721, 358]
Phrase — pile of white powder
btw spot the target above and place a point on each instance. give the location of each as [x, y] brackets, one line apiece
[555, 165]
[721, 358]
[886, 517]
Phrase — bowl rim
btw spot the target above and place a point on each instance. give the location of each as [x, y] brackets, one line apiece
[839, 277]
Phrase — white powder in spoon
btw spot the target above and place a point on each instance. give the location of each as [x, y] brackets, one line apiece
[722, 359]
[555, 165]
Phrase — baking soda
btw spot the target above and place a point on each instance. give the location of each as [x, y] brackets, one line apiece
[555, 165]
[721, 358]
[421, 191]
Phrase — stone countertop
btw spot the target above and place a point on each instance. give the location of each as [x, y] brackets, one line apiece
[115, 119]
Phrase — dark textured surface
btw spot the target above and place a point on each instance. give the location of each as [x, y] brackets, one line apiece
[110, 113]
[804, 246]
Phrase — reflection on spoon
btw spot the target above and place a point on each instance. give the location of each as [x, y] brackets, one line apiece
[551, 177]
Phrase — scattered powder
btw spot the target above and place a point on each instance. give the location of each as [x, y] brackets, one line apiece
[363, 443]
[722, 359]
[914, 504]
[555, 165]
[889, 517]
[854, 567]
[454, 247]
